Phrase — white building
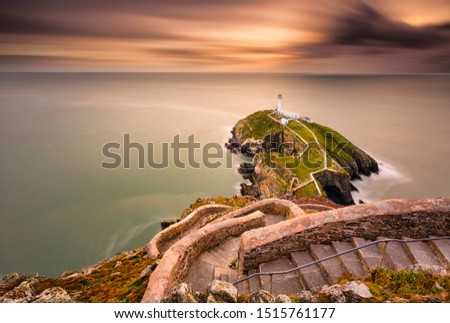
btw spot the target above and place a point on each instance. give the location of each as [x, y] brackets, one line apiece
[279, 109]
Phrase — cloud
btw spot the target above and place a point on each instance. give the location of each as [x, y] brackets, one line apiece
[241, 35]
[366, 26]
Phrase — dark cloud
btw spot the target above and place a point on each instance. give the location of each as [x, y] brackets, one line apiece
[366, 26]
[18, 60]
[37, 25]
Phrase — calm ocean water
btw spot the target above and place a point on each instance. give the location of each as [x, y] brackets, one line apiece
[60, 210]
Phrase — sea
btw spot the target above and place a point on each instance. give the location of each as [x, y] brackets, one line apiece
[72, 189]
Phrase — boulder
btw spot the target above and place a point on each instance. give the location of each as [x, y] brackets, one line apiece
[261, 296]
[23, 293]
[251, 147]
[307, 297]
[11, 281]
[53, 295]
[282, 299]
[71, 273]
[355, 293]
[181, 293]
[221, 292]
[333, 293]
[251, 190]
[146, 271]
[246, 168]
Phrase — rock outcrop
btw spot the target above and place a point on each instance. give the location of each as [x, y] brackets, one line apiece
[221, 292]
[350, 292]
[20, 288]
[261, 296]
[181, 293]
[53, 295]
[337, 186]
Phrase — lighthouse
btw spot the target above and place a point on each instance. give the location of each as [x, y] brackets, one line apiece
[280, 98]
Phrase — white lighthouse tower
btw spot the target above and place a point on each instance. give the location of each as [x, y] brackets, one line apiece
[279, 107]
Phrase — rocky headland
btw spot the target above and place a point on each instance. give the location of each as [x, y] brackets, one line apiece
[297, 158]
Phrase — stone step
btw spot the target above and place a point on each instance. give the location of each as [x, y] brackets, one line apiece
[220, 259]
[351, 262]
[280, 284]
[228, 249]
[395, 253]
[243, 288]
[211, 259]
[371, 256]
[225, 274]
[254, 283]
[421, 253]
[441, 249]
[332, 268]
[200, 275]
[311, 277]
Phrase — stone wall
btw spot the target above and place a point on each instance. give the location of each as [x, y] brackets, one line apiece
[392, 218]
[276, 206]
[154, 246]
[176, 262]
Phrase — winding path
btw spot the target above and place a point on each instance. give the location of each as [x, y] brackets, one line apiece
[325, 163]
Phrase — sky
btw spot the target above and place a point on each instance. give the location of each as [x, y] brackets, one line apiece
[305, 36]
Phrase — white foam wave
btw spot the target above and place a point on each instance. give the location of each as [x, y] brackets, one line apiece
[377, 186]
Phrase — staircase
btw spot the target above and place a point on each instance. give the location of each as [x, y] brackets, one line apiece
[220, 262]
[391, 255]
[214, 264]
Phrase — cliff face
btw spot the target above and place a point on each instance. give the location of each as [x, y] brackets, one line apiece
[297, 159]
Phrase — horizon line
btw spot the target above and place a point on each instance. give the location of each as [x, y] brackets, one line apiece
[222, 72]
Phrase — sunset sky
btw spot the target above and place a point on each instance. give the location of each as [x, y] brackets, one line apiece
[320, 36]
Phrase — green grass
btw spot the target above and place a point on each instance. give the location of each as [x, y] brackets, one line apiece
[303, 132]
[339, 147]
[386, 284]
[308, 190]
[405, 285]
[257, 126]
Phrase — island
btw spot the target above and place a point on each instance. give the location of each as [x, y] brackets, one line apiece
[293, 156]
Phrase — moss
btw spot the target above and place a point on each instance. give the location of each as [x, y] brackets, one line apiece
[243, 298]
[405, 284]
[294, 298]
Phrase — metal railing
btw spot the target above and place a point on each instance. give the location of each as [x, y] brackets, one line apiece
[336, 255]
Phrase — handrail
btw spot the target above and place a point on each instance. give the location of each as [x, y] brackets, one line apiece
[337, 255]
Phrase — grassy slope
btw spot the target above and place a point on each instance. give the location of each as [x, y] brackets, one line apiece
[107, 283]
[257, 126]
